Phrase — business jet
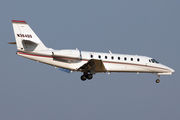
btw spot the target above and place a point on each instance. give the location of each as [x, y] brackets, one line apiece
[89, 63]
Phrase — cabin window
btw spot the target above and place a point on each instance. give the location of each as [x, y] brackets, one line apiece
[131, 59]
[112, 57]
[91, 56]
[118, 58]
[105, 57]
[149, 60]
[125, 58]
[99, 56]
[138, 59]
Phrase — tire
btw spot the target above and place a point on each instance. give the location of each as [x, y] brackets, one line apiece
[157, 81]
[89, 76]
[83, 77]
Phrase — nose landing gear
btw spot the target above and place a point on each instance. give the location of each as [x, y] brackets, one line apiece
[158, 81]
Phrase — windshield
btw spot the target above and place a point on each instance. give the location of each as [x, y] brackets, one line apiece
[154, 61]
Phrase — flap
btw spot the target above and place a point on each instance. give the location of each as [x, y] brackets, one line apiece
[93, 66]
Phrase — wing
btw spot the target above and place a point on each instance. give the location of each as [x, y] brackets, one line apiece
[93, 66]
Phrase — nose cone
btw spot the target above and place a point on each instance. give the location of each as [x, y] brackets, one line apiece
[173, 71]
[170, 70]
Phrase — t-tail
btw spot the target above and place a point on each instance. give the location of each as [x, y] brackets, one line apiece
[26, 39]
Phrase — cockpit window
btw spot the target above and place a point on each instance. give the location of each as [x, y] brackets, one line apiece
[154, 61]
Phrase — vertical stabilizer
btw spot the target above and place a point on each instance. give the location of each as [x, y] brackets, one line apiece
[26, 39]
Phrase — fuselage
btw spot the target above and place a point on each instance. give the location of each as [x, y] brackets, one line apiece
[72, 59]
[30, 46]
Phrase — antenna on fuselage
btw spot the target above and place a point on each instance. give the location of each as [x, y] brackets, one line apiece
[110, 52]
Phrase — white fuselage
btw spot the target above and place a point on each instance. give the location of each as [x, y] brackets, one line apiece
[30, 46]
[73, 59]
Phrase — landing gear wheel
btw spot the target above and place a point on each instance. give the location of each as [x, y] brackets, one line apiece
[89, 76]
[157, 81]
[83, 77]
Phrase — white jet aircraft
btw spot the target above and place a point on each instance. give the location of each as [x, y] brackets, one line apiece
[31, 47]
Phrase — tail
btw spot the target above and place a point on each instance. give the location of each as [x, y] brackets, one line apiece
[26, 39]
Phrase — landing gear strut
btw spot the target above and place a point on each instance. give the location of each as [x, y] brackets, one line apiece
[157, 81]
[86, 76]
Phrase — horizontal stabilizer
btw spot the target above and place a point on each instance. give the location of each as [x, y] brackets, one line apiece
[11, 42]
[65, 70]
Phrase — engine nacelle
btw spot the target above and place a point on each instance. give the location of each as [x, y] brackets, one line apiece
[68, 53]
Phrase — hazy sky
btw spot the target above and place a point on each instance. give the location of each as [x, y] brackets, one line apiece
[35, 91]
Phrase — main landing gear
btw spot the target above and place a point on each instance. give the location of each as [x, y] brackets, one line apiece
[158, 81]
[86, 76]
